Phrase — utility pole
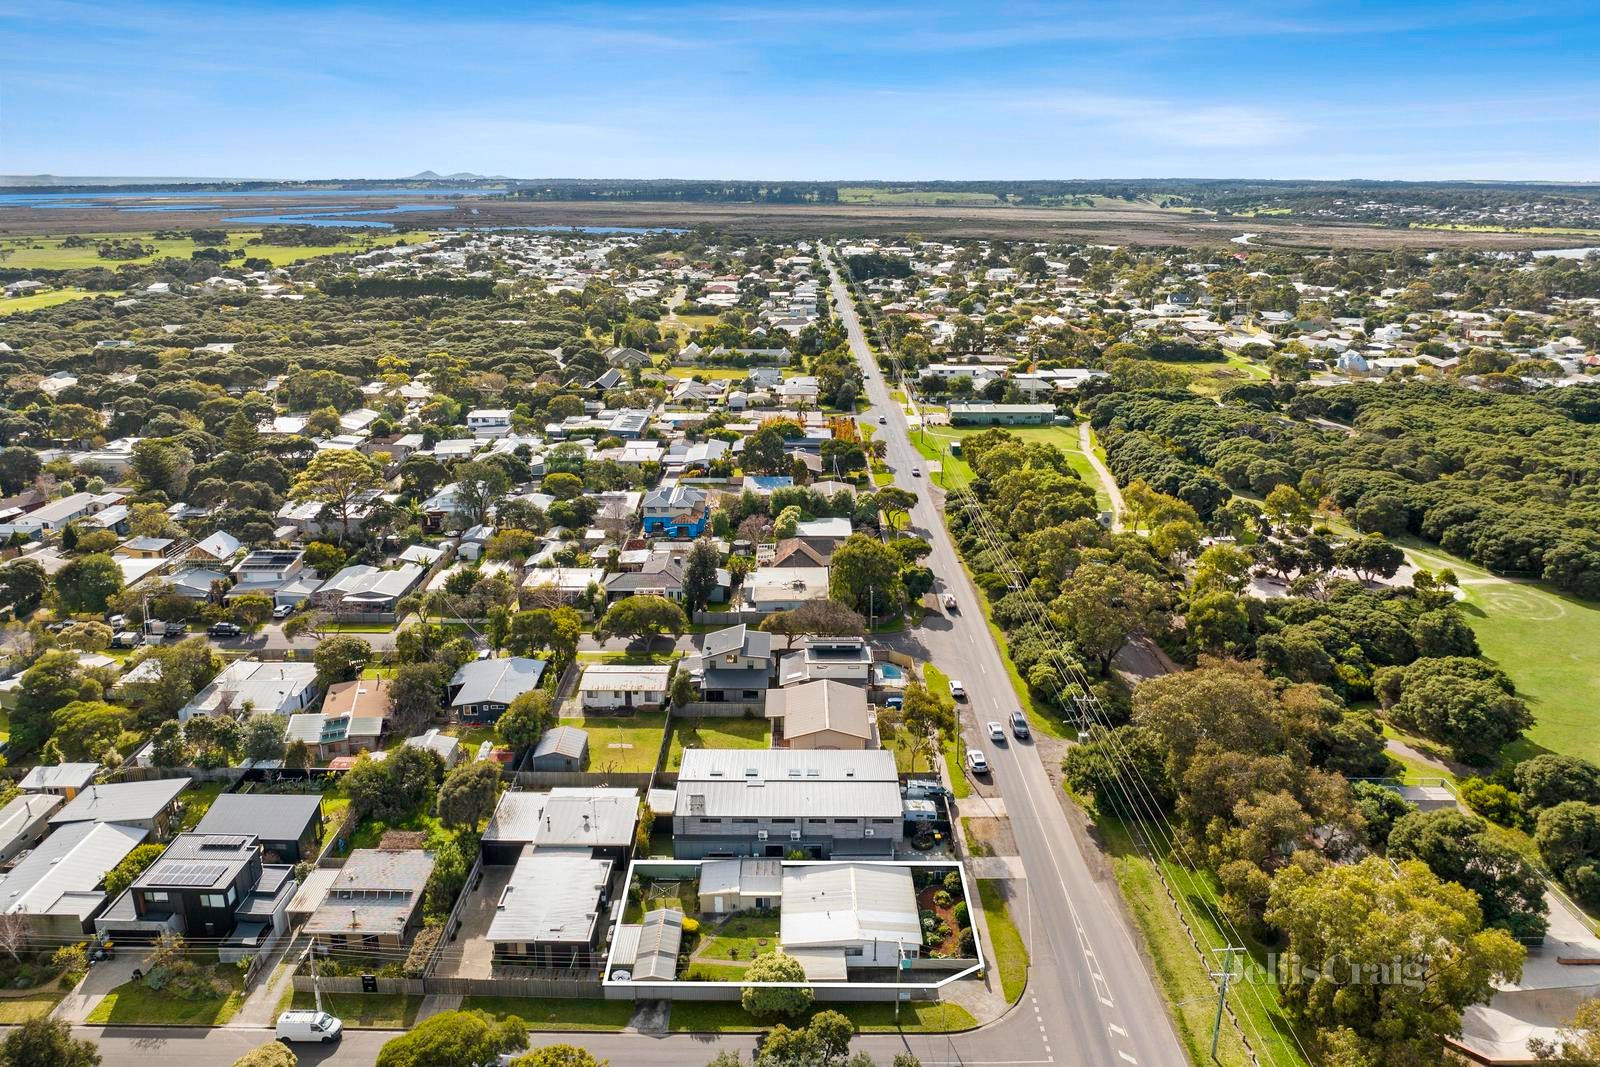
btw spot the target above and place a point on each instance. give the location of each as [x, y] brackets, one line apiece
[1222, 994]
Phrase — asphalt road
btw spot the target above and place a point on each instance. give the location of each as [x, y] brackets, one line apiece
[1090, 1000]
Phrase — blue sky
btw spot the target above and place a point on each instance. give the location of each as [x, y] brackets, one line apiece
[814, 89]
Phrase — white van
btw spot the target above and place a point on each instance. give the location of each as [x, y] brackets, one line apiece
[309, 1026]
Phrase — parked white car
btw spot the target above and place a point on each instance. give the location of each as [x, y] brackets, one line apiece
[976, 761]
[308, 1026]
[958, 690]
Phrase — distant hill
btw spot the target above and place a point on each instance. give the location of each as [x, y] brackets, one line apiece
[459, 176]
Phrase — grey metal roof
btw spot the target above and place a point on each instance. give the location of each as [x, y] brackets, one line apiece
[61, 776]
[60, 876]
[271, 817]
[660, 938]
[741, 638]
[495, 681]
[553, 896]
[376, 892]
[824, 705]
[569, 741]
[787, 783]
[200, 861]
[24, 813]
[121, 801]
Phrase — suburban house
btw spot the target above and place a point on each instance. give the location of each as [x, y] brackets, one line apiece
[277, 572]
[209, 887]
[562, 748]
[446, 746]
[734, 665]
[481, 689]
[864, 913]
[549, 912]
[773, 589]
[821, 715]
[24, 822]
[353, 719]
[57, 885]
[366, 589]
[675, 511]
[743, 802]
[268, 688]
[564, 584]
[597, 820]
[727, 886]
[151, 806]
[489, 422]
[840, 659]
[288, 826]
[622, 688]
[376, 900]
[64, 779]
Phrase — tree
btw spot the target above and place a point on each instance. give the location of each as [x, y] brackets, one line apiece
[1354, 933]
[53, 682]
[263, 737]
[327, 560]
[14, 934]
[416, 694]
[765, 452]
[1454, 846]
[84, 729]
[682, 691]
[454, 1039]
[1380, 808]
[1547, 780]
[86, 583]
[700, 575]
[252, 609]
[468, 793]
[340, 658]
[18, 468]
[272, 1054]
[821, 618]
[41, 1041]
[1108, 605]
[641, 618]
[1286, 507]
[558, 1056]
[526, 719]
[479, 483]
[1460, 702]
[1568, 836]
[769, 1003]
[22, 586]
[864, 575]
[337, 478]
[1370, 557]
[297, 755]
[162, 466]
[131, 867]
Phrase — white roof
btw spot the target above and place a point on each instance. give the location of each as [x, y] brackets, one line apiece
[24, 813]
[837, 903]
[624, 677]
[553, 896]
[61, 776]
[61, 875]
[567, 816]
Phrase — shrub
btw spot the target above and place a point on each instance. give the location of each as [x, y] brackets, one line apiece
[1493, 801]
[952, 882]
[968, 942]
[960, 913]
[942, 898]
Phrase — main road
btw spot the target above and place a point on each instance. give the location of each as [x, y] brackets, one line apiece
[1090, 998]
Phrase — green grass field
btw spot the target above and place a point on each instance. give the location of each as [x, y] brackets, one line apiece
[21, 1008]
[134, 1003]
[46, 253]
[365, 1011]
[917, 1016]
[623, 744]
[10, 305]
[1005, 941]
[1182, 974]
[715, 733]
[741, 937]
[858, 194]
[1545, 641]
[553, 1014]
[933, 440]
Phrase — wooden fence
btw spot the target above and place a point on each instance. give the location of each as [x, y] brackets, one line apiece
[538, 983]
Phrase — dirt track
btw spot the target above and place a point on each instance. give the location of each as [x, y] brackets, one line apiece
[1132, 225]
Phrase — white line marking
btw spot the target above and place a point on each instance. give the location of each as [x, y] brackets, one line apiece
[1125, 1056]
[1119, 1031]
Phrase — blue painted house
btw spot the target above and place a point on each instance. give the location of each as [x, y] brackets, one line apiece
[675, 511]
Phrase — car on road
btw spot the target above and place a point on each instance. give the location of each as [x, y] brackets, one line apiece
[916, 472]
[958, 690]
[283, 611]
[1019, 726]
[317, 1026]
[976, 761]
[883, 420]
[950, 602]
[225, 629]
[997, 733]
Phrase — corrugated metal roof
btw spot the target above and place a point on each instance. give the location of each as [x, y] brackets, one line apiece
[835, 903]
[121, 801]
[781, 783]
[660, 938]
[553, 896]
[69, 863]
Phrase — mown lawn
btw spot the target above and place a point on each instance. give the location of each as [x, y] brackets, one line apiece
[715, 733]
[365, 1011]
[20, 1009]
[556, 1014]
[938, 683]
[917, 1016]
[1005, 940]
[134, 1003]
[741, 937]
[623, 744]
